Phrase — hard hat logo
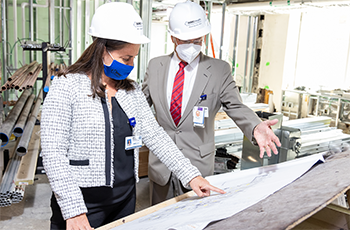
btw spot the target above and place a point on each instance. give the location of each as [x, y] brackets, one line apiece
[138, 25]
[194, 23]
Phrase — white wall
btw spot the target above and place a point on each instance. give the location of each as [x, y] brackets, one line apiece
[291, 53]
[273, 54]
[241, 50]
[160, 40]
[323, 54]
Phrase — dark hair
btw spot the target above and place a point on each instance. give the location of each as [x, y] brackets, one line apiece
[90, 62]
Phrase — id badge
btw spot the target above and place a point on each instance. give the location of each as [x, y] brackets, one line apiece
[198, 116]
[133, 142]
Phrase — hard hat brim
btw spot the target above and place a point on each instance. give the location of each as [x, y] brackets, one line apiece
[192, 35]
[133, 40]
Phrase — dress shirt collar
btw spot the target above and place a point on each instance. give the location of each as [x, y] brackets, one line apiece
[193, 64]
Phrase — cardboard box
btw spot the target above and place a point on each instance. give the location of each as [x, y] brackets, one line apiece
[143, 161]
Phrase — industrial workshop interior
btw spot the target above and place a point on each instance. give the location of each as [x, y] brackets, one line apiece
[288, 64]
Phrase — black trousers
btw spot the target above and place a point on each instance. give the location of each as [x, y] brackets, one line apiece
[97, 216]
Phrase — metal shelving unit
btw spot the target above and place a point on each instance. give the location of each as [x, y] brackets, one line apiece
[308, 104]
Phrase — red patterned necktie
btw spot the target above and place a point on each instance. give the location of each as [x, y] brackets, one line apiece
[176, 97]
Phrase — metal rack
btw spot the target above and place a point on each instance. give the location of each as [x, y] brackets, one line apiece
[308, 104]
[45, 47]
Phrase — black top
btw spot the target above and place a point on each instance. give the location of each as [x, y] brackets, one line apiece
[124, 180]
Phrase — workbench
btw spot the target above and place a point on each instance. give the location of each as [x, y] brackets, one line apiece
[305, 203]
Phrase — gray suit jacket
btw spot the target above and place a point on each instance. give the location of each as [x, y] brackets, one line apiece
[213, 79]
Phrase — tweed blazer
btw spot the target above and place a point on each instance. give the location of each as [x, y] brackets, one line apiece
[213, 79]
[73, 140]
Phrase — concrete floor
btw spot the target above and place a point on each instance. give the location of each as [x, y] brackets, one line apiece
[34, 212]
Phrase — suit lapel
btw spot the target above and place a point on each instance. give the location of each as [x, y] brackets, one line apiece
[162, 76]
[200, 83]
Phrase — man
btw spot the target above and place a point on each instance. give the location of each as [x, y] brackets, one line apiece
[187, 89]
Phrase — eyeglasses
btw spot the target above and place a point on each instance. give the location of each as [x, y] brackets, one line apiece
[196, 42]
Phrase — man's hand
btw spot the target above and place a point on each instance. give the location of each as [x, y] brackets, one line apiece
[202, 187]
[265, 137]
[80, 222]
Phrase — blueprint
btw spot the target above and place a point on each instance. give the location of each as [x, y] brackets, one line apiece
[243, 189]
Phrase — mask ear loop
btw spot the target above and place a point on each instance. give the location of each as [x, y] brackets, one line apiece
[110, 56]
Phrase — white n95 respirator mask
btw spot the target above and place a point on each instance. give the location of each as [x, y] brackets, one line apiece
[188, 52]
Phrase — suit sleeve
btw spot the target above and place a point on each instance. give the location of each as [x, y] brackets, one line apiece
[145, 86]
[231, 102]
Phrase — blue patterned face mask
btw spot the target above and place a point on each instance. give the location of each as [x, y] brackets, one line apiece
[117, 70]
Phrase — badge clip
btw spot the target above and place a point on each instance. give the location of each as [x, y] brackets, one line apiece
[203, 97]
[132, 122]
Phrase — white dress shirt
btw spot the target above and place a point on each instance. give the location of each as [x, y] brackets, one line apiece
[190, 77]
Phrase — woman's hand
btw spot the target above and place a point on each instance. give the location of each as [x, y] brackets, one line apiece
[202, 187]
[79, 222]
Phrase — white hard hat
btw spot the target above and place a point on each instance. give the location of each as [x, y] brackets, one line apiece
[187, 21]
[118, 21]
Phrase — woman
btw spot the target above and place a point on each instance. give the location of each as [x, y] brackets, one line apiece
[92, 123]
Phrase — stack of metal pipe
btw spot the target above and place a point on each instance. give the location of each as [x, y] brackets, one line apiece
[22, 147]
[23, 78]
[9, 192]
[18, 119]
[10, 121]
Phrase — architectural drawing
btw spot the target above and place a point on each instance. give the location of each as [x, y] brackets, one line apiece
[243, 189]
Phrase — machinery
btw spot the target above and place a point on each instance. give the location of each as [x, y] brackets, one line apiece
[300, 137]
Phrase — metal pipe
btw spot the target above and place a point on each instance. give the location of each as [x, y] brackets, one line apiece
[235, 38]
[252, 63]
[61, 7]
[32, 81]
[60, 22]
[79, 29]
[4, 42]
[222, 28]
[210, 7]
[14, 77]
[246, 55]
[7, 126]
[22, 147]
[31, 26]
[18, 130]
[7, 185]
[27, 74]
[14, 3]
[71, 29]
[1, 121]
[146, 15]
[52, 20]
[18, 72]
[64, 16]
[23, 5]
[87, 23]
